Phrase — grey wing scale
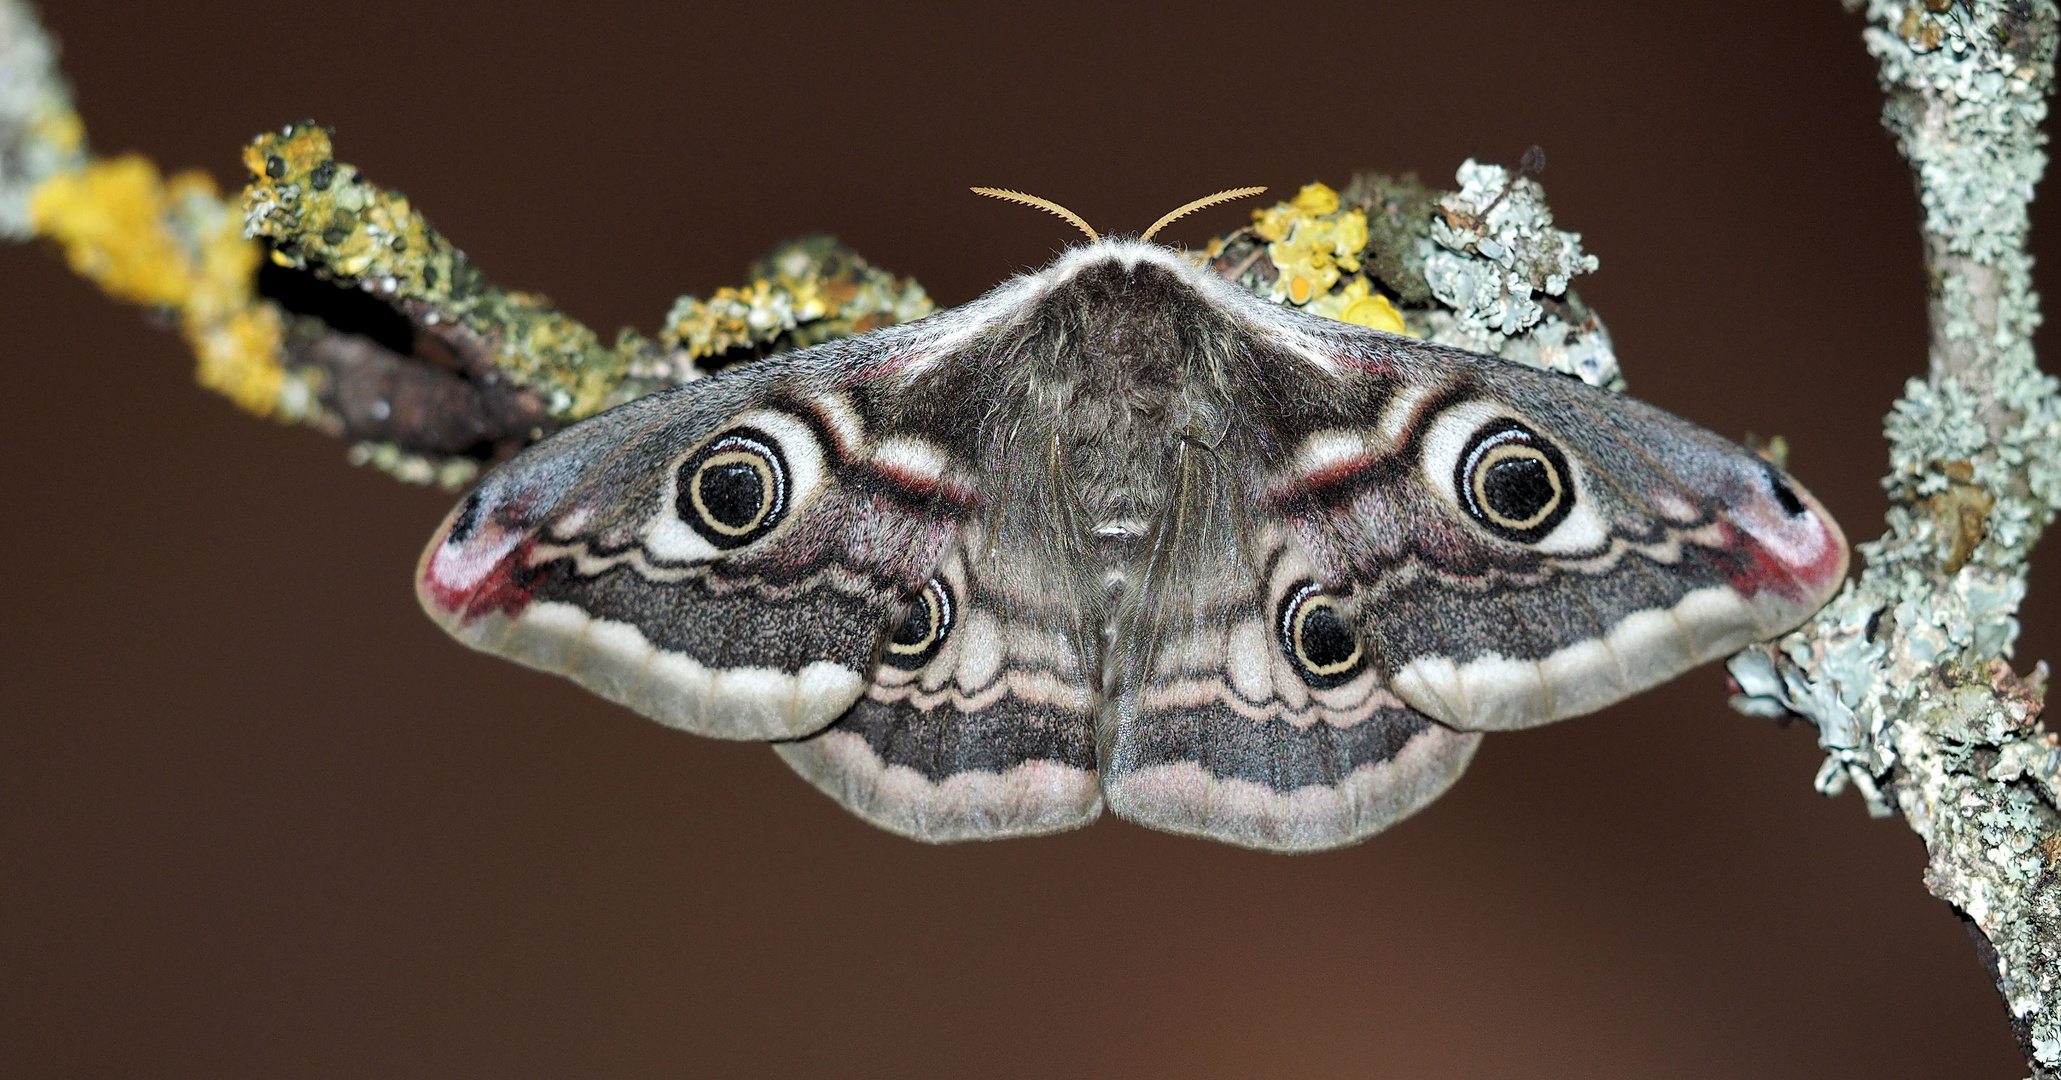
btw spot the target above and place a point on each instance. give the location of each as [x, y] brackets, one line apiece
[1387, 547]
[784, 553]
[979, 720]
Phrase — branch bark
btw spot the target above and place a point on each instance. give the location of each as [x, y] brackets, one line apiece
[1904, 674]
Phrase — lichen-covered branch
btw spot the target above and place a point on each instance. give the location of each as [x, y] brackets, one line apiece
[40, 133]
[1904, 674]
[1481, 268]
[327, 300]
[331, 301]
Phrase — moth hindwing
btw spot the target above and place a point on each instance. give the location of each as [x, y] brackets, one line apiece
[1121, 534]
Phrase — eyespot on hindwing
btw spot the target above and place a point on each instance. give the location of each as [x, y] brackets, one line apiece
[923, 629]
[1316, 637]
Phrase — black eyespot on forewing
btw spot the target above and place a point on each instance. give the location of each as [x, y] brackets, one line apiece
[735, 489]
[1515, 482]
[1784, 495]
[1319, 642]
[924, 628]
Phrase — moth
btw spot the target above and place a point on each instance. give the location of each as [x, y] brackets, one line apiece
[1120, 535]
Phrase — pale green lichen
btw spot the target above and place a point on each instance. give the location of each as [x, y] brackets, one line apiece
[1499, 247]
[1492, 253]
[1903, 673]
[40, 134]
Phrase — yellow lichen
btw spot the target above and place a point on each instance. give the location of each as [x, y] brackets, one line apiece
[238, 358]
[60, 127]
[1312, 243]
[808, 291]
[1359, 304]
[1275, 222]
[171, 244]
[1316, 243]
[109, 218]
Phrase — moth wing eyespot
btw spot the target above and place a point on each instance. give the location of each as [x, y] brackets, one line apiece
[916, 628]
[1317, 638]
[923, 628]
[1517, 486]
[1514, 481]
[732, 492]
[734, 489]
[737, 488]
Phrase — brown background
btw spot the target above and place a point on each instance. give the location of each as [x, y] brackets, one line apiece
[258, 818]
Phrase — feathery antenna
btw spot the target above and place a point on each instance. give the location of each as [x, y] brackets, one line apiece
[1206, 201]
[1046, 205]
